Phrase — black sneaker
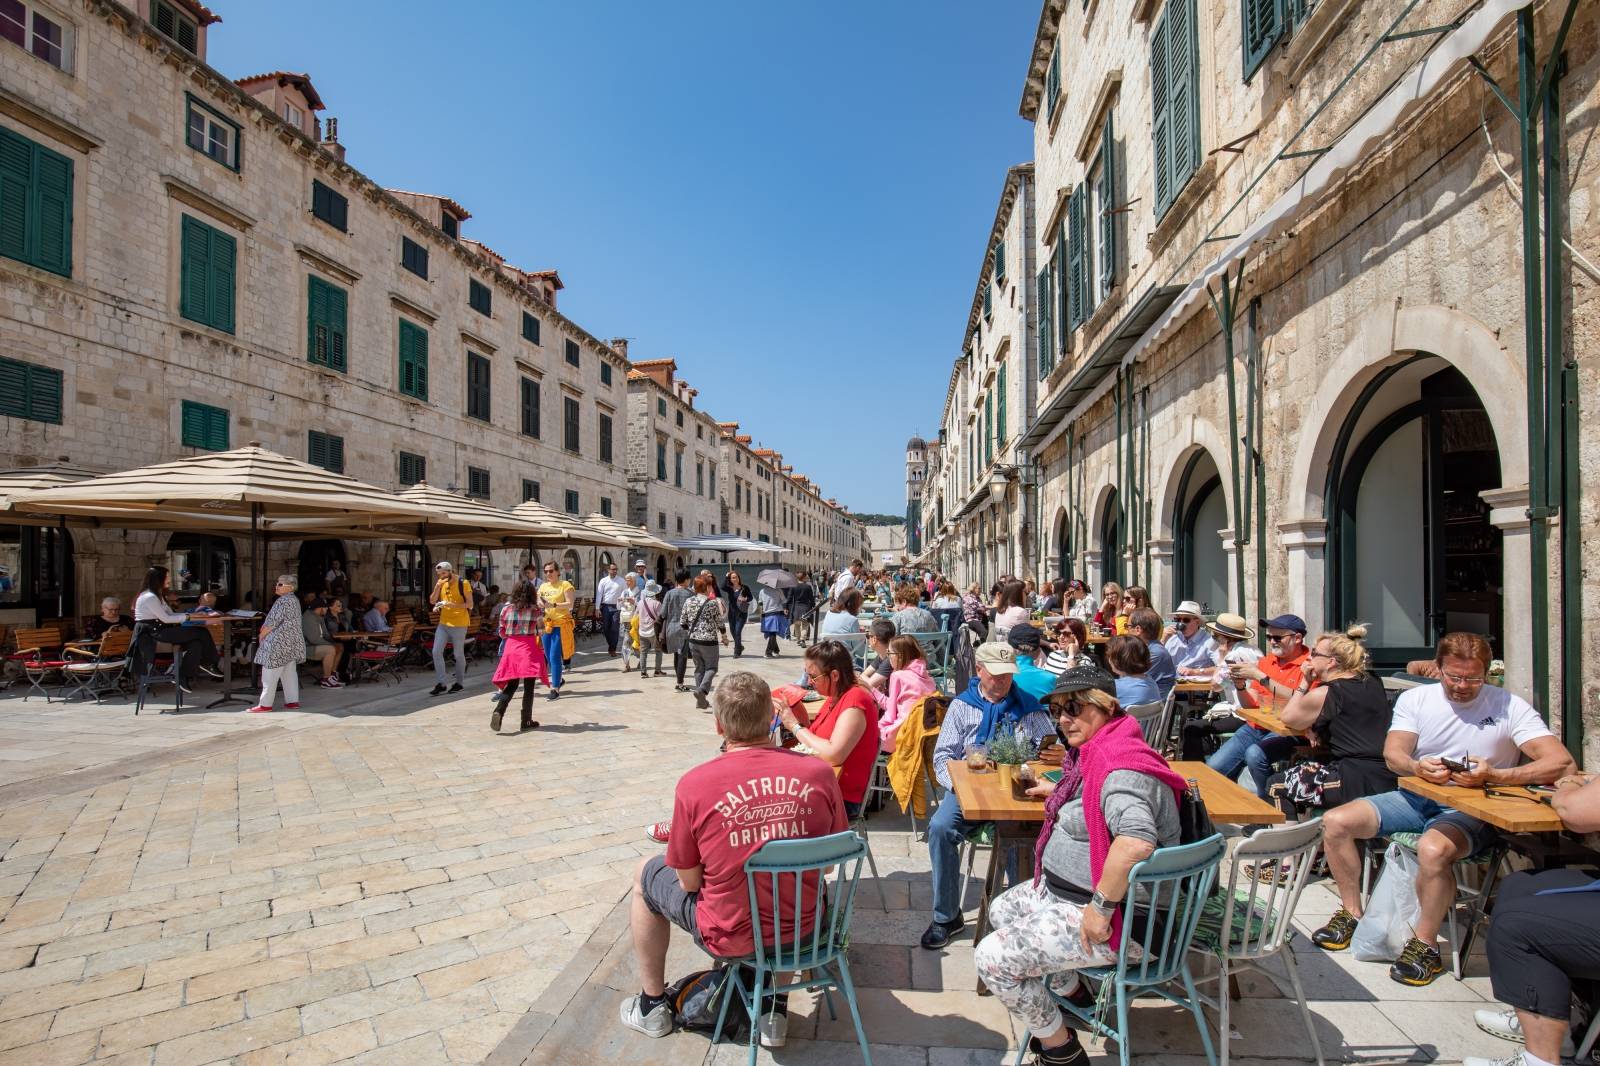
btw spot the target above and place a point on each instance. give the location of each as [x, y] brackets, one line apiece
[1418, 964]
[1335, 936]
[1071, 1053]
[938, 933]
[211, 671]
[437, 690]
[456, 687]
[554, 694]
[495, 719]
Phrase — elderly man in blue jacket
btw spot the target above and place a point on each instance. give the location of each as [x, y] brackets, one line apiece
[991, 704]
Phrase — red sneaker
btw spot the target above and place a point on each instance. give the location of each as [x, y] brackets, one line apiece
[291, 706]
[258, 709]
[661, 832]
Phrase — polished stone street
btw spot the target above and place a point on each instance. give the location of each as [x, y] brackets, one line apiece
[379, 879]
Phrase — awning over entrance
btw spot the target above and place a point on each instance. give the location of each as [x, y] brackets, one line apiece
[727, 544]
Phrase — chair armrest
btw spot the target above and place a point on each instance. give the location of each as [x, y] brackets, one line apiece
[31, 653]
[80, 652]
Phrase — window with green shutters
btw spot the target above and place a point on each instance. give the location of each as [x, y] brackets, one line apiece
[572, 352]
[605, 373]
[605, 439]
[413, 360]
[569, 424]
[988, 301]
[1000, 260]
[1000, 407]
[478, 297]
[530, 328]
[30, 392]
[205, 426]
[1175, 100]
[661, 407]
[325, 450]
[176, 25]
[326, 307]
[1077, 259]
[477, 387]
[413, 468]
[414, 257]
[1046, 341]
[530, 407]
[1263, 24]
[530, 490]
[330, 206]
[35, 204]
[478, 482]
[988, 427]
[1106, 195]
[207, 272]
[572, 501]
[661, 460]
[1052, 84]
[605, 506]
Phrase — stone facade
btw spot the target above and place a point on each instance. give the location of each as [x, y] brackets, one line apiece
[674, 450]
[1377, 438]
[762, 499]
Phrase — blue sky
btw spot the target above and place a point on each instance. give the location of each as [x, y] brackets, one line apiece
[791, 200]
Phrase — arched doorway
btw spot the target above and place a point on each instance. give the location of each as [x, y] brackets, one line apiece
[1412, 549]
[316, 559]
[202, 563]
[1063, 535]
[572, 568]
[661, 570]
[1202, 511]
[1111, 539]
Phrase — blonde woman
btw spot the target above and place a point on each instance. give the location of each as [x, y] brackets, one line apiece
[1111, 615]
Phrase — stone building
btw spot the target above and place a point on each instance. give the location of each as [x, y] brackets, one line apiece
[674, 451]
[983, 497]
[1285, 360]
[916, 476]
[205, 270]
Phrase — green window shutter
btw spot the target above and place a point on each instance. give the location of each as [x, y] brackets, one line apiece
[1263, 24]
[205, 426]
[13, 388]
[1077, 299]
[413, 360]
[1000, 414]
[337, 320]
[1108, 201]
[1000, 259]
[325, 450]
[35, 204]
[1060, 313]
[326, 316]
[30, 392]
[1046, 351]
[988, 301]
[1052, 84]
[219, 279]
[16, 184]
[1183, 52]
[1160, 105]
[988, 427]
[54, 199]
[195, 284]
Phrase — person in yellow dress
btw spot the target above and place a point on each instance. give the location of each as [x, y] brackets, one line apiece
[558, 597]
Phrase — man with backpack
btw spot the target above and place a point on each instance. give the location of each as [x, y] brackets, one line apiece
[723, 811]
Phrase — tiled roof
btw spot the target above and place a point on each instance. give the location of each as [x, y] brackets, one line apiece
[200, 11]
[455, 209]
[299, 81]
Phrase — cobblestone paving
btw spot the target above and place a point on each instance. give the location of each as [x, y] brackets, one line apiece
[381, 880]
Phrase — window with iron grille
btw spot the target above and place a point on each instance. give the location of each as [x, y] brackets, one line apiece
[478, 482]
[413, 468]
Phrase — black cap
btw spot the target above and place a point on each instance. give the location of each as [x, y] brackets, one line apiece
[1024, 635]
[318, 601]
[1083, 678]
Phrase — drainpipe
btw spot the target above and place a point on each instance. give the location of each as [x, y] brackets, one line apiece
[1144, 480]
[1122, 495]
[1252, 355]
[1223, 306]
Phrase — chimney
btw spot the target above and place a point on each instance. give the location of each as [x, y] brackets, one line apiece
[620, 346]
[331, 140]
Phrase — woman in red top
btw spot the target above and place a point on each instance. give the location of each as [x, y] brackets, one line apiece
[840, 733]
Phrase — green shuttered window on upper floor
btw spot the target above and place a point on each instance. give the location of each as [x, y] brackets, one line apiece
[207, 274]
[1175, 100]
[413, 360]
[1000, 406]
[1263, 23]
[326, 316]
[35, 204]
[330, 206]
[1046, 341]
[205, 426]
[29, 391]
[325, 450]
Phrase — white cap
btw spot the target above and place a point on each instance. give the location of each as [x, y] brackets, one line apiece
[638, 562]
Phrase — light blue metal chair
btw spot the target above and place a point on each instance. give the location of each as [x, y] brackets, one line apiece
[936, 649]
[1174, 884]
[821, 915]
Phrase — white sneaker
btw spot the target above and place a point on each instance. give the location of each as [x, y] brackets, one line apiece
[1515, 1060]
[656, 1024]
[1503, 1023]
[773, 1029]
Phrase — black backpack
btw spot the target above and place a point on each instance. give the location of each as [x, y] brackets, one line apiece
[697, 998]
[1194, 822]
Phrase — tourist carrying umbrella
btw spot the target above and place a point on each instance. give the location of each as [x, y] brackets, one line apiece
[281, 649]
[774, 606]
[523, 659]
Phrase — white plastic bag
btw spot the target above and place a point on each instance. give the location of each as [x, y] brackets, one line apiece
[1392, 912]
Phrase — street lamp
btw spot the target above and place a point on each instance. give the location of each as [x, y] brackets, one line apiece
[999, 481]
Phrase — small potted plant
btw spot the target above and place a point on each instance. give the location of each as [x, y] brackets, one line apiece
[1008, 751]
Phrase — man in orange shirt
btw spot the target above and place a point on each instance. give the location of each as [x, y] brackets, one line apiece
[1275, 675]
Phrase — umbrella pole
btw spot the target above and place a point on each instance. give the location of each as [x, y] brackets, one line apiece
[257, 564]
[61, 578]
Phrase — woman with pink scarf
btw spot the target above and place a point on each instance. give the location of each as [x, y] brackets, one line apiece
[1117, 802]
[907, 684]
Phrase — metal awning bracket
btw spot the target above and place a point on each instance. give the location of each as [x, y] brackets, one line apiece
[1302, 154]
[1426, 31]
[1237, 144]
[1494, 87]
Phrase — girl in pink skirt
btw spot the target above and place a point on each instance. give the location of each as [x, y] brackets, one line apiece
[521, 626]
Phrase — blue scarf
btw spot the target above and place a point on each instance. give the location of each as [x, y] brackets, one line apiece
[1007, 711]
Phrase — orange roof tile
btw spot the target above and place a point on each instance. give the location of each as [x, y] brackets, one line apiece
[299, 81]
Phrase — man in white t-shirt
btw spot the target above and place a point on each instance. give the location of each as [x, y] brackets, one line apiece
[1457, 732]
[846, 579]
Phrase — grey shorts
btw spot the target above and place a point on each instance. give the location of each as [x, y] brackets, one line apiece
[665, 896]
[1407, 812]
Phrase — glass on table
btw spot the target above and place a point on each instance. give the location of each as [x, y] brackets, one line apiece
[977, 758]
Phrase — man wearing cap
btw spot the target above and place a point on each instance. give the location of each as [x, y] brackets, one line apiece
[1276, 675]
[320, 644]
[453, 598]
[991, 704]
[1187, 640]
[608, 595]
[1026, 641]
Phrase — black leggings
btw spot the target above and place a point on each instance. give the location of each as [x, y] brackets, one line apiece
[527, 696]
[772, 643]
[198, 647]
[1538, 945]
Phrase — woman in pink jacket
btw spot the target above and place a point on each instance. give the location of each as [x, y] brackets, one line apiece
[907, 684]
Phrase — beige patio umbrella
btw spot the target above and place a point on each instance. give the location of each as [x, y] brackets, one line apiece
[34, 478]
[636, 536]
[222, 490]
[570, 528]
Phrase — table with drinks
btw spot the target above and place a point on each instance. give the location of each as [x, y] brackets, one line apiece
[986, 795]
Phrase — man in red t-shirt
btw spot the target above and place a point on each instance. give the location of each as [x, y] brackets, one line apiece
[723, 812]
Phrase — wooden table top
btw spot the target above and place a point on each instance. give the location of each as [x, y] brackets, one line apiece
[1512, 815]
[1266, 718]
[984, 798]
[1191, 687]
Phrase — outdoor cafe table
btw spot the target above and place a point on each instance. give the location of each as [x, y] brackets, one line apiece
[227, 621]
[1016, 822]
[1266, 718]
[1511, 815]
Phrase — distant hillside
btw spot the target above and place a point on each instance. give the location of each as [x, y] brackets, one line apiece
[882, 519]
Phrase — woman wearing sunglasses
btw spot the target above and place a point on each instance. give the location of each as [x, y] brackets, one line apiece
[841, 732]
[1116, 802]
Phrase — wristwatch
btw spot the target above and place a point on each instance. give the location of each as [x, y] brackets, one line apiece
[1106, 907]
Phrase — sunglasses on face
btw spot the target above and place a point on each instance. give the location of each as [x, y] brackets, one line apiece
[1463, 682]
[1278, 638]
[1070, 709]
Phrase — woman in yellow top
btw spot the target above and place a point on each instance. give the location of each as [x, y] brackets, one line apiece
[558, 596]
[452, 596]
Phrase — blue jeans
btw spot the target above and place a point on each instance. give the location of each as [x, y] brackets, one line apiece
[449, 635]
[610, 617]
[1252, 747]
[947, 831]
[551, 643]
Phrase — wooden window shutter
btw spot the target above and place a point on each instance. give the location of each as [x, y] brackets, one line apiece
[317, 449]
[16, 184]
[1161, 103]
[337, 319]
[1052, 84]
[1263, 22]
[1184, 58]
[1108, 202]
[194, 299]
[44, 395]
[413, 360]
[1000, 413]
[1046, 352]
[1076, 298]
[53, 224]
[223, 249]
[530, 407]
[317, 342]
[1059, 312]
